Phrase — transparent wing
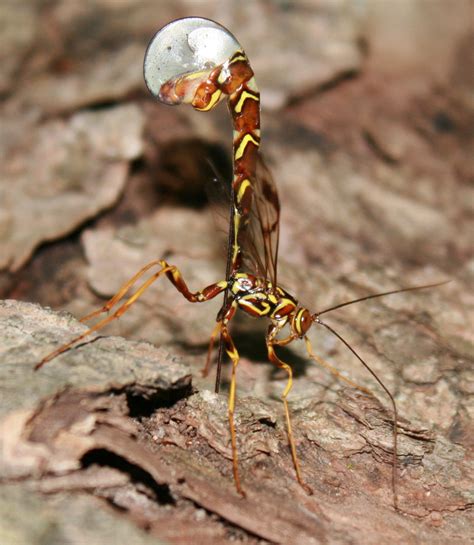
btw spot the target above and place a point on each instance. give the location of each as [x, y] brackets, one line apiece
[259, 238]
[261, 235]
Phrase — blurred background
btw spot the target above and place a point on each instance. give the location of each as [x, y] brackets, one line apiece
[368, 109]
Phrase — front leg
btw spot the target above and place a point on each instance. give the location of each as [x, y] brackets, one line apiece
[271, 343]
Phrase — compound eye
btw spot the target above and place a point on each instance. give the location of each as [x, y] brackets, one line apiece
[302, 322]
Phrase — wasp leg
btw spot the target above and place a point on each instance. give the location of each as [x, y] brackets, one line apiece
[122, 291]
[285, 340]
[234, 356]
[271, 342]
[175, 277]
[333, 370]
[212, 340]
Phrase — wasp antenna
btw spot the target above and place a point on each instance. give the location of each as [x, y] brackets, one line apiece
[392, 402]
[375, 295]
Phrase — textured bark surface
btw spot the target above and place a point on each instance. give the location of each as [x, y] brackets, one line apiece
[118, 420]
[370, 142]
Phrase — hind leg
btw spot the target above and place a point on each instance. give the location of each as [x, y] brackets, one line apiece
[171, 272]
[234, 356]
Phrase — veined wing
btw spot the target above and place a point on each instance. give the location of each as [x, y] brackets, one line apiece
[260, 238]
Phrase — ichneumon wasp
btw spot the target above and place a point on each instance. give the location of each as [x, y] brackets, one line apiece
[197, 61]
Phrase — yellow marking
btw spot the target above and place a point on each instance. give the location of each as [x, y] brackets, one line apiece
[243, 97]
[272, 299]
[233, 354]
[297, 321]
[215, 97]
[240, 57]
[236, 134]
[251, 305]
[235, 288]
[243, 144]
[192, 75]
[236, 222]
[243, 187]
[235, 249]
[222, 284]
[282, 304]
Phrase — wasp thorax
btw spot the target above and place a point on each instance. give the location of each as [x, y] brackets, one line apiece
[301, 321]
[244, 282]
